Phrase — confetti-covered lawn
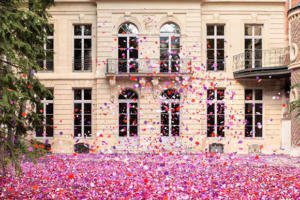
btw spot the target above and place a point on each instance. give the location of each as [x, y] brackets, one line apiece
[164, 176]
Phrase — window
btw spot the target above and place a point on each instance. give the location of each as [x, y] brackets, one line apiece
[128, 113]
[253, 113]
[253, 46]
[215, 112]
[82, 47]
[82, 112]
[45, 110]
[169, 48]
[215, 47]
[47, 64]
[170, 113]
[128, 48]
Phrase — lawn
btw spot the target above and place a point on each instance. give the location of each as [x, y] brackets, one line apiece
[163, 176]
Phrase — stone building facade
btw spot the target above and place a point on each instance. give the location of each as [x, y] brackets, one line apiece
[147, 76]
[294, 24]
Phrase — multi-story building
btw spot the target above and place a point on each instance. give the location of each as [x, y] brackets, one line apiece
[188, 75]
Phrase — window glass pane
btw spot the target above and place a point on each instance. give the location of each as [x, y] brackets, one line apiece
[175, 107]
[210, 54]
[87, 108]
[77, 108]
[128, 28]
[87, 131]
[210, 120]
[88, 30]
[220, 64]
[175, 119]
[87, 43]
[77, 131]
[210, 29]
[258, 95]
[87, 94]
[258, 131]
[175, 130]
[220, 108]
[87, 120]
[77, 119]
[133, 120]
[258, 44]
[170, 28]
[50, 96]
[220, 54]
[220, 120]
[77, 94]
[49, 108]
[248, 131]
[220, 30]
[164, 42]
[210, 131]
[133, 42]
[249, 120]
[220, 43]
[122, 119]
[77, 60]
[220, 131]
[257, 30]
[49, 44]
[210, 94]
[248, 94]
[220, 94]
[87, 60]
[210, 109]
[122, 131]
[133, 131]
[248, 44]
[258, 109]
[165, 119]
[210, 64]
[77, 43]
[210, 43]
[164, 130]
[248, 108]
[122, 108]
[175, 43]
[49, 131]
[133, 108]
[248, 30]
[77, 30]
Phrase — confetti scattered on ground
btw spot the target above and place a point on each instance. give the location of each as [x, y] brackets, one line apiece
[148, 176]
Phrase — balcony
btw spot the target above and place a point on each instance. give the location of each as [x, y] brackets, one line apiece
[148, 68]
[271, 63]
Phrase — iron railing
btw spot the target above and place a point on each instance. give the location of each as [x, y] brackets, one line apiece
[264, 58]
[148, 67]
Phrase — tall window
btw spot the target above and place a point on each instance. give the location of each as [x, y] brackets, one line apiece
[45, 110]
[82, 47]
[253, 46]
[128, 113]
[170, 113]
[47, 64]
[215, 47]
[253, 112]
[169, 48]
[215, 113]
[82, 112]
[128, 48]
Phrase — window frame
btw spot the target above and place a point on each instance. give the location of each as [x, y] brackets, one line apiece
[253, 37]
[128, 59]
[82, 101]
[215, 37]
[44, 102]
[216, 102]
[83, 37]
[170, 36]
[170, 102]
[128, 116]
[253, 102]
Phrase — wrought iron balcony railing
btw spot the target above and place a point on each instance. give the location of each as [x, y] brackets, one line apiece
[148, 67]
[271, 58]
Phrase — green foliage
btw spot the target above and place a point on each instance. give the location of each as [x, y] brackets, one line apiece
[22, 35]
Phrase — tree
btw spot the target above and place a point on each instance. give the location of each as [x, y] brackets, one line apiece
[23, 31]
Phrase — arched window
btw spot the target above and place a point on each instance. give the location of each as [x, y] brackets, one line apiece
[128, 113]
[170, 113]
[169, 48]
[127, 48]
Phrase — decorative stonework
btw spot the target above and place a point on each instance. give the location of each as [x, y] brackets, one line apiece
[294, 21]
